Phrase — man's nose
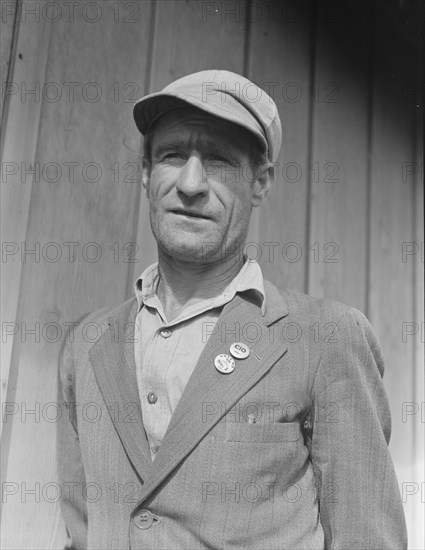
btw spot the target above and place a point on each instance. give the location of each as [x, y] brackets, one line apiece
[193, 178]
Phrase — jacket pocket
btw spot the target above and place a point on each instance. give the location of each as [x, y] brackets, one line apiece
[274, 432]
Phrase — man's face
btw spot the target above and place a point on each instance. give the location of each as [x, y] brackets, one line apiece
[201, 185]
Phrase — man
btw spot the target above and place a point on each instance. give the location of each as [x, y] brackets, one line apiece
[198, 419]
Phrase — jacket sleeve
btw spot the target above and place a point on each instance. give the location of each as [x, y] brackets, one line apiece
[359, 498]
[70, 465]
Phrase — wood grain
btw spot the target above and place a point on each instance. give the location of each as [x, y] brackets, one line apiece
[106, 60]
[9, 15]
[19, 143]
[279, 62]
[391, 290]
[338, 164]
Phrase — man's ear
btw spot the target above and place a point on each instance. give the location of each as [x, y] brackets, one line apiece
[261, 184]
[146, 172]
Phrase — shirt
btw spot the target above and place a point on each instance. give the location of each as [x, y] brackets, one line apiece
[166, 353]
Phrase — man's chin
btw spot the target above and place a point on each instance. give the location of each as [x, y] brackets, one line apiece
[187, 251]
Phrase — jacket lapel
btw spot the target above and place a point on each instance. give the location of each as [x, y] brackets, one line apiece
[209, 388]
[112, 358]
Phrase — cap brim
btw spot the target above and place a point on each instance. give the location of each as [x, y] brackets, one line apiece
[148, 109]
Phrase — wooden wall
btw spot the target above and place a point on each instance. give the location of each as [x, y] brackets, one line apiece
[346, 78]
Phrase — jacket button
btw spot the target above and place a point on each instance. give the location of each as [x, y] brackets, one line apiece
[143, 519]
[152, 398]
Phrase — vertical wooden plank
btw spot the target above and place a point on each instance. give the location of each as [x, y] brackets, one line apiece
[190, 36]
[102, 52]
[9, 18]
[18, 152]
[279, 62]
[339, 168]
[418, 534]
[417, 528]
[392, 216]
[213, 38]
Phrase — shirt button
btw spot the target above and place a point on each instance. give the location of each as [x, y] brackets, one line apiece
[152, 397]
[165, 333]
[143, 519]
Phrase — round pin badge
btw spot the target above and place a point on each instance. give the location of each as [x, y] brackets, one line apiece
[239, 350]
[224, 363]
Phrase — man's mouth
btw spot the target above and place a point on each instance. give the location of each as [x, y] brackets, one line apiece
[190, 213]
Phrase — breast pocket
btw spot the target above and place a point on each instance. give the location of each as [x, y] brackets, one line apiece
[273, 432]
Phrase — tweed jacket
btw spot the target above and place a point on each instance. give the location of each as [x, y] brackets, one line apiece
[288, 451]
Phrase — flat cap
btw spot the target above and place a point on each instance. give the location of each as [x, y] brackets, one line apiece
[223, 94]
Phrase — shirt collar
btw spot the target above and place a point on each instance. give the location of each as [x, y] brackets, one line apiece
[250, 277]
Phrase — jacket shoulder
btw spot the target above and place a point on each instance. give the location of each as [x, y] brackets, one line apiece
[324, 309]
[348, 321]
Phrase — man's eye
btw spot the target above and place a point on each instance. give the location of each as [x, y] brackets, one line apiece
[174, 155]
[219, 158]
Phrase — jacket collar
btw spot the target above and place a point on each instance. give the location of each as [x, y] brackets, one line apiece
[112, 359]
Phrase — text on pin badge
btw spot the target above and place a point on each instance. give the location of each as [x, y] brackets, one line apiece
[224, 363]
[239, 350]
